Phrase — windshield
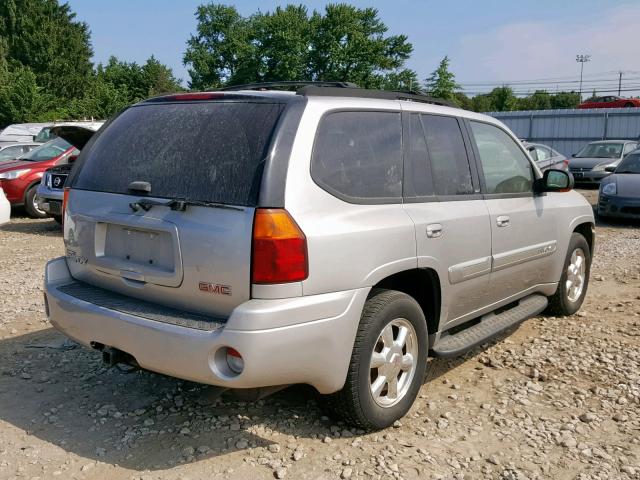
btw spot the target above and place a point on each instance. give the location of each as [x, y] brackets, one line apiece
[47, 151]
[205, 151]
[630, 164]
[601, 150]
[44, 135]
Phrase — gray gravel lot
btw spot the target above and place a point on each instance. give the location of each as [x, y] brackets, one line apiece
[556, 398]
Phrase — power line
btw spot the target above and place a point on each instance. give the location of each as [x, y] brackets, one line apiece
[525, 82]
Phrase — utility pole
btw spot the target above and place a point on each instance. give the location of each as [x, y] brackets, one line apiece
[582, 59]
[620, 82]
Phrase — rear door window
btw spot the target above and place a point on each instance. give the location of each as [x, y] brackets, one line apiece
[448, 156]
[205, 151]
[417, 175]
[357, 156]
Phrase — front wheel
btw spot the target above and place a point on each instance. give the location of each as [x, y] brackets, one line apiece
[388, 362]
[574, 280]
[31, 205]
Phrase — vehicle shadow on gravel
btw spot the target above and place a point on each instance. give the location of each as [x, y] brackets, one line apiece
[30, 226]
[62, 394]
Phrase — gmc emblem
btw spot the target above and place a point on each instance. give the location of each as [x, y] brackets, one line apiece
[215, 288]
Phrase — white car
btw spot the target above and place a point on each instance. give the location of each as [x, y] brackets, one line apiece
[5, 208]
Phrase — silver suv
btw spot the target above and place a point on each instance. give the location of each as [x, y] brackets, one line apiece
[332, 236]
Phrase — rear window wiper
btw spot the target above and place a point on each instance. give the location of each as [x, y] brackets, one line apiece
[177, 204]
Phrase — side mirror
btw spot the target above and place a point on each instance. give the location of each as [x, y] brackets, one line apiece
[554, 181]
[533, 153]
[610, 168]
[72, 158]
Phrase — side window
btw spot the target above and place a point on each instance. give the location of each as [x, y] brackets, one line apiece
[629, 147]
[543, 153]
[417, 174]
[448, 156]
[359, 155]
[506, 168]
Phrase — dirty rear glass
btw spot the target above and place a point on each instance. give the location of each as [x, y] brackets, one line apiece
[210, 151]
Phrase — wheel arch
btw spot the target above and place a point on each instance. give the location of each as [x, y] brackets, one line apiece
[587, 230]
[423, 285]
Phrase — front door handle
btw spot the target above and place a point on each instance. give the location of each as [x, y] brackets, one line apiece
[434, 230]
[503, 221]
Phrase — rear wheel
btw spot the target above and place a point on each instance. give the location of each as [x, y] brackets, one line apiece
[628, 105]
[575, 278]
[387, 364]
[31, 205]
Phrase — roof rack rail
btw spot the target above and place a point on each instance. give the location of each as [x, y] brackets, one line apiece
[294, 83]
[355, 92]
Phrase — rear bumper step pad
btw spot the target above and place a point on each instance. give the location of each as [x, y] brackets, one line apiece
[140, 308]
[490, 325]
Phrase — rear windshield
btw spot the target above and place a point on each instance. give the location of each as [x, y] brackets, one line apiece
[210, 151]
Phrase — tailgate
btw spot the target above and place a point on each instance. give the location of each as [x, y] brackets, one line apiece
[196, 260]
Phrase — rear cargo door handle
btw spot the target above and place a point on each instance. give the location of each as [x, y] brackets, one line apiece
[503, 221]
[434, 230]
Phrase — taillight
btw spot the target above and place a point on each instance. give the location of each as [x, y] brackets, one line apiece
[65, 198]
[279, 251]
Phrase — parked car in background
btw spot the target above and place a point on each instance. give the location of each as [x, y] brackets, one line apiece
[21, 132]
[11, 151]
[546, 157]
[20, 178]
[610, 101]
[48, 132]
[335, 237]
[50, 192]
[5, 208]
[589, 164]
[619, 194]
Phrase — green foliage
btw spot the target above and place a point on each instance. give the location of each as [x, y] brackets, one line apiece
[565, 100]
[442, 82]
[45, 37]
[345, 43]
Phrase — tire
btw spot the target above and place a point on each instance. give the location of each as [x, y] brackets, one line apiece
[355, 403]
[566, 301]
[629, 105]
[31, 206]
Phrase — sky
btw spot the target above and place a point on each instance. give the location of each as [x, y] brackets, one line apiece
[489, 42]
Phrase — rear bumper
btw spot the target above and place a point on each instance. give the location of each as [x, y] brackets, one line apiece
[284, 341]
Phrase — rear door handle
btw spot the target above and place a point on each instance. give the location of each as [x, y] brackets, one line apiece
[503, 221]
[434, 230]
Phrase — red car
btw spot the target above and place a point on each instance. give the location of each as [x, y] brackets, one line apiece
[610, 102]
[19, 179]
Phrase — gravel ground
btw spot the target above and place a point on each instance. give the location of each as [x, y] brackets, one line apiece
[556, 398]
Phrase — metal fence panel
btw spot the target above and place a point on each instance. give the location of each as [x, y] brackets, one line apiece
[569, 130]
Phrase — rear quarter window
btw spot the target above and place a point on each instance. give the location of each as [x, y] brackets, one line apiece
[357, 156]
[201, 151]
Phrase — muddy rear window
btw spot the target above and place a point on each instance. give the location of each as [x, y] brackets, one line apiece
[210, 151]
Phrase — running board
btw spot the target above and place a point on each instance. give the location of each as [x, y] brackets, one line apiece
[490, 325]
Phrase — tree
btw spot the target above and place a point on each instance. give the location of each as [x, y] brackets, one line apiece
[45, 37]
[158, 78]
[565, 100]
[442, 83]
[463, 101]
[539, 100]
[344, 43]
[502, 99]
[482, 103]
[350, 44]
